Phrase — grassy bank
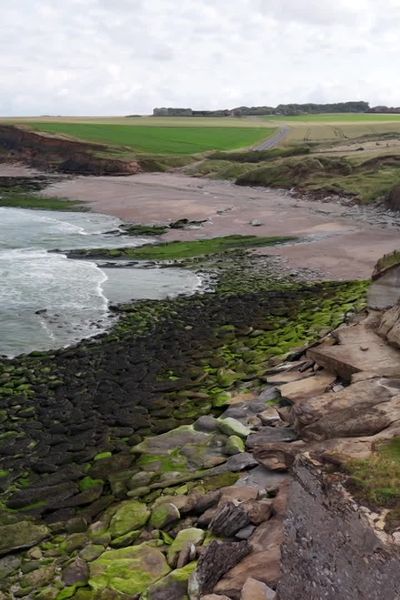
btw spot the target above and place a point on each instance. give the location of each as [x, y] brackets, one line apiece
[33, 201]
[182, 250]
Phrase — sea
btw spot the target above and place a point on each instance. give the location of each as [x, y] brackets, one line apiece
[49, 301]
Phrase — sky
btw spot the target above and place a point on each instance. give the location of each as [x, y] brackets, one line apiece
[117, 57]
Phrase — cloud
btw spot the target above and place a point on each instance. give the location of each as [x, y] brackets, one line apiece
[127, 56]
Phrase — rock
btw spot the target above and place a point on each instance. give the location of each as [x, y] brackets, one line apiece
[389, 327]
[262, 479]
[297, 391]
[279, 456]
[256, 590]
[202, 502]
[263, 566]
[258, 510]
[173, 586]
[218, 558]
[125, 540]
[206, 423]
[269, 435]
[164, 514]
[39, 577]
[22, 534]
[268, 394]
[363, 408]
[91, 552]
[9, 564]
[234, 445]
[75, 572]
[130, 515]
[234, 493]
[184, 540]
[288, 376]
[269, 416]
[214, 597]
[229, 519]
[128, 571]
[245, 533]
[385, 291]
[347, 358]
[231, 426]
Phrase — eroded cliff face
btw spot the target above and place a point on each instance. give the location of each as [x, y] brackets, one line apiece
[57, 154]
[333, 549]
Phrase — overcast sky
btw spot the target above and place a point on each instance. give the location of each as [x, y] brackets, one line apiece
[106, 57]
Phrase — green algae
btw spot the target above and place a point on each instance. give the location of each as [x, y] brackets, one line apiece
[130, 516]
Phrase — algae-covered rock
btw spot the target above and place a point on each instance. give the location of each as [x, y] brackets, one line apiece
[173, 586]
[163, 514]
[231, 426]
[125, 540]
[234, 445]
[186, 537]
[22, 534]
[129, 570]
[131, 515]
[91, 552]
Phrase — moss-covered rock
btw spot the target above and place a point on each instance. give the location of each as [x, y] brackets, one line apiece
[131, 515]
[234, 445]
[129, 570]
[164, 514]
[231, 427]
[22, 534]
[173, 586]
[192, 535]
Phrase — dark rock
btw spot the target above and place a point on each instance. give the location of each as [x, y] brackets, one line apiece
[75, 572]
[270, 435]
[217, 560]
[228, 519]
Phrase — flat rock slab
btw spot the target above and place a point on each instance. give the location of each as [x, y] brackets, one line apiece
[361, 350]
[269, 435]
[297, 391]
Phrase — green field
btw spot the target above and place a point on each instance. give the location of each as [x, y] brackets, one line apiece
[336, 118]
[160, 139]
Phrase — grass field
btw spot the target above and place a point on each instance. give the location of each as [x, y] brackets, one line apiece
[336, 118]
[180, 139]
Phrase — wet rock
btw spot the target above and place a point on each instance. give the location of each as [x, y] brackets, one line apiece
[39, 577]
[231, 426]
[245, 533]
[206, 423]
[23, 534]
[9, 564]
[91, 552]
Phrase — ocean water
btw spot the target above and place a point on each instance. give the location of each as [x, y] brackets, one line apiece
[50, 301]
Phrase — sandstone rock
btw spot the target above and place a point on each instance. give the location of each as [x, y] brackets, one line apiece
[214, 597]
[263, 566]
[130, 515]
[297, 391]
[256, 590]
[128, 571]
[278, 456]
[269, 416]
[288, 376]
[235, 493]
[385, 291]
[389, 327]
[347, 358]
[22, 534]
[258, 510]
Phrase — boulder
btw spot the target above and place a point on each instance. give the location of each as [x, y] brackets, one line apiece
[234, 445]
[389, 327]
[22, 534]
[130, 515]
[75, 572]
[128, 571]
[270, 434]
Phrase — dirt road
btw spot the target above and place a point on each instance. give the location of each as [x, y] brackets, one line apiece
[338, 241]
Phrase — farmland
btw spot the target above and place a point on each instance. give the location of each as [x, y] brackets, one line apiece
[185, 138]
